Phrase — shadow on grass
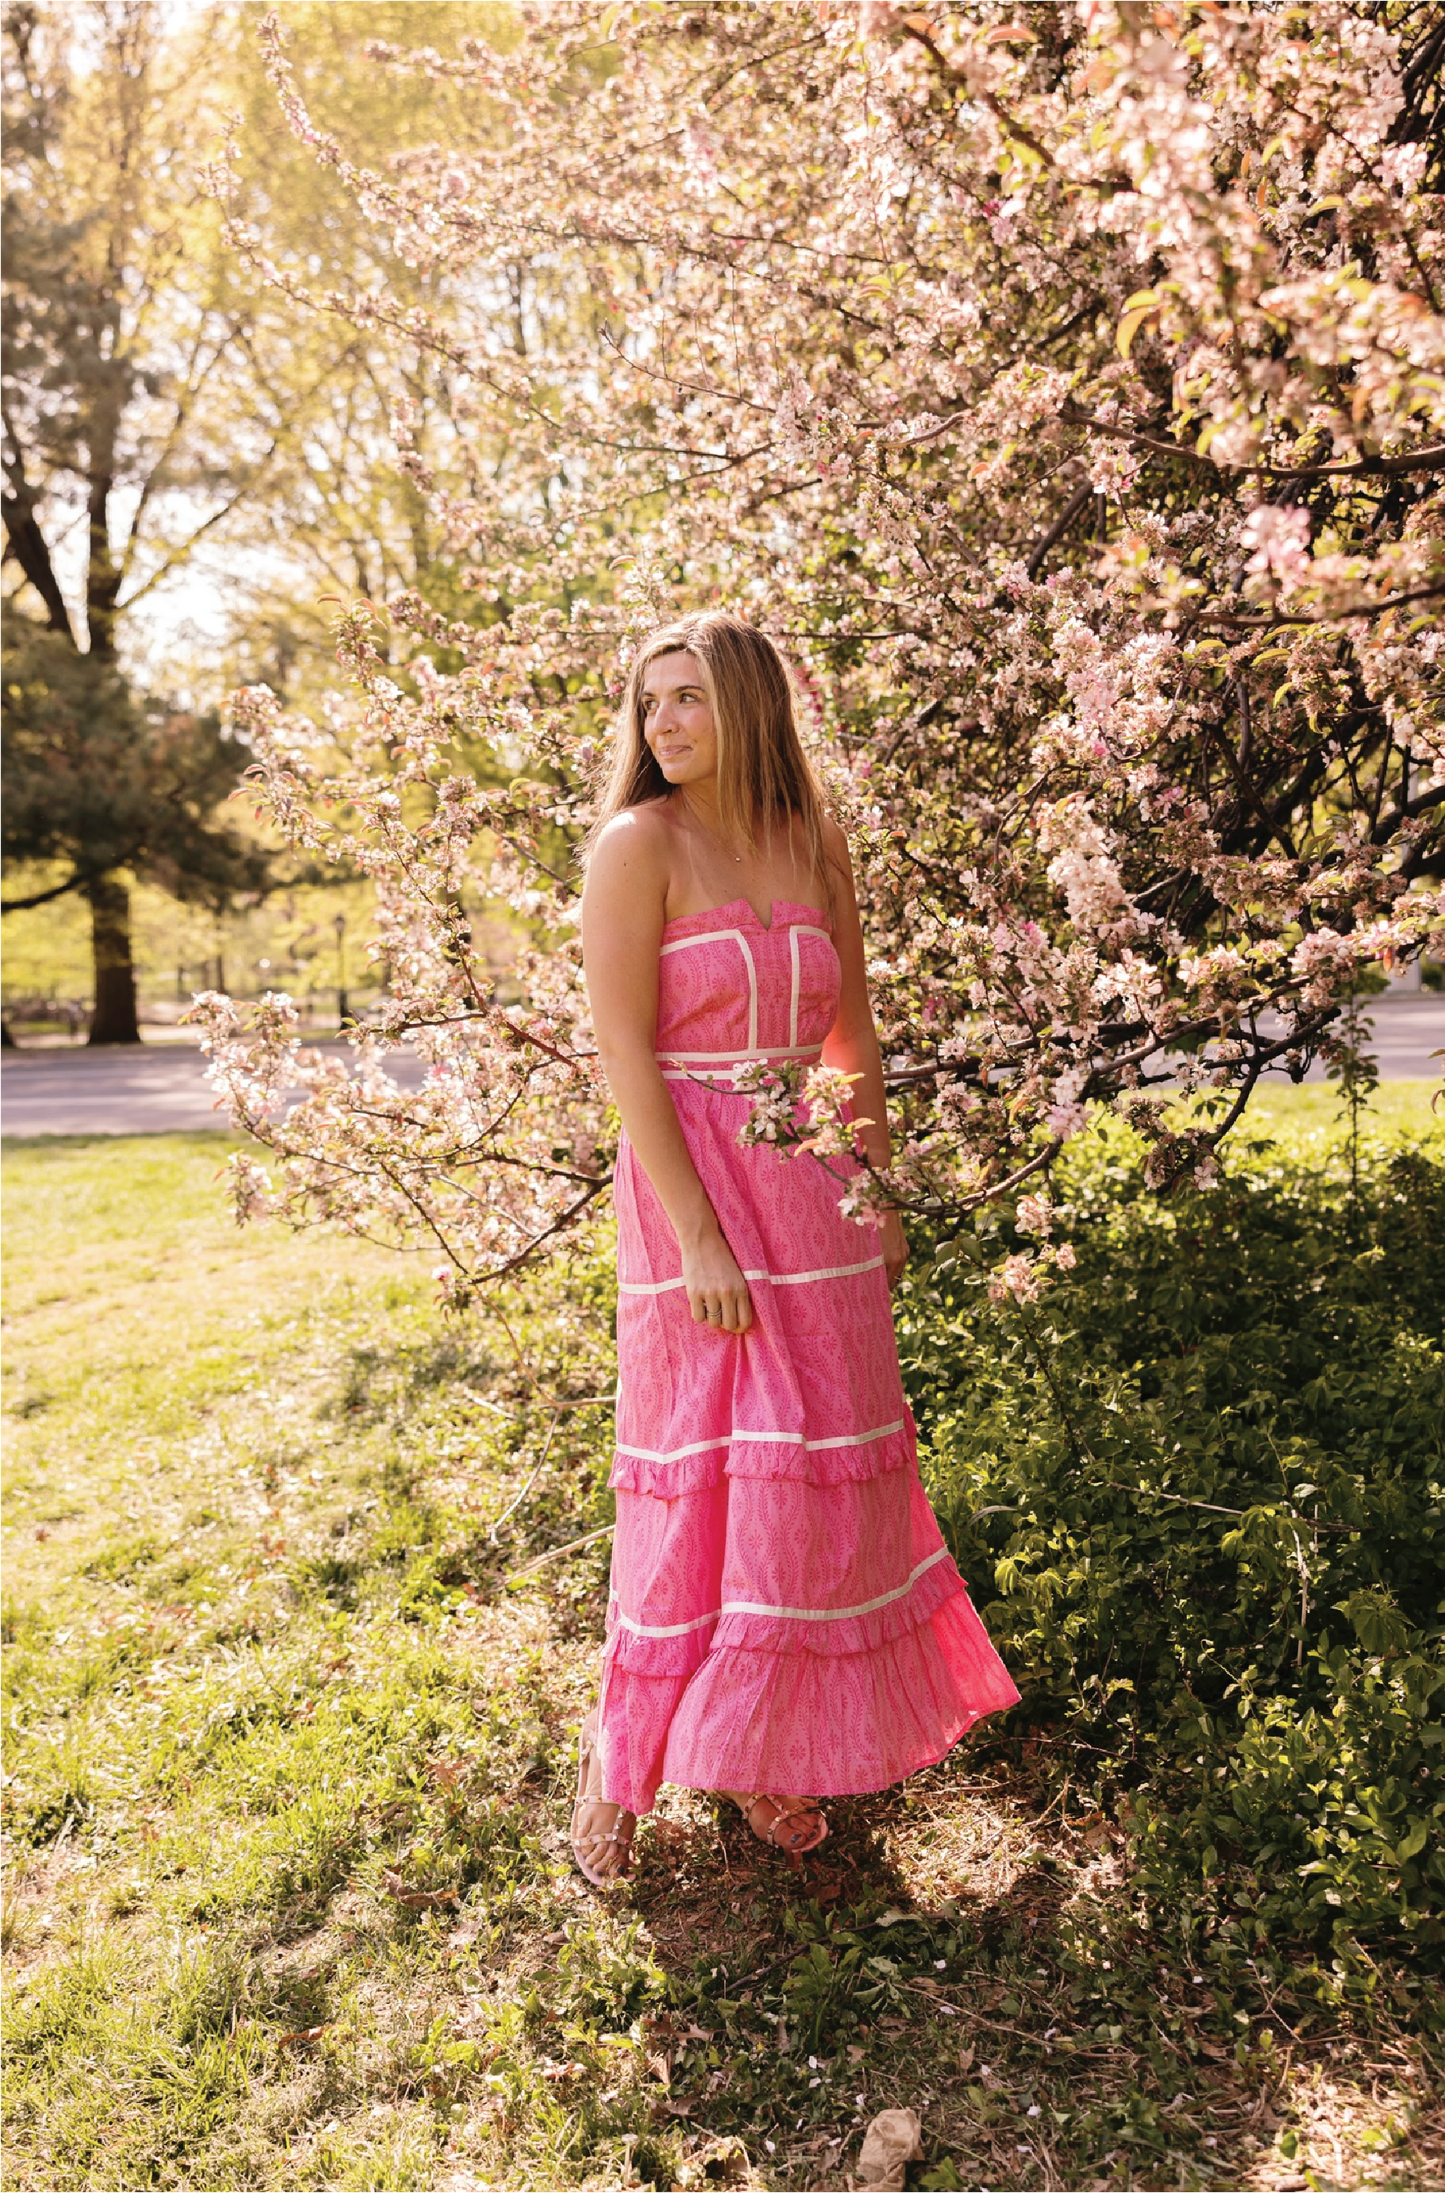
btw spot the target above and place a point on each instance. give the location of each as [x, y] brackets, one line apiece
[292, 1904]
[942, 1952]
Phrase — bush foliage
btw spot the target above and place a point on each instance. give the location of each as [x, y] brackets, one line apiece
[1198, 1490]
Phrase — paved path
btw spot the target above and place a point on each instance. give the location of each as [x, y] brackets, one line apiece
[64, 1091]
[1405, 1030]
[126, 1091]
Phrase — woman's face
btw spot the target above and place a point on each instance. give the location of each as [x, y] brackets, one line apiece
[677, 719]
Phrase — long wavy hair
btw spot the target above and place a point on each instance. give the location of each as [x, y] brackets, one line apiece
[765, 780]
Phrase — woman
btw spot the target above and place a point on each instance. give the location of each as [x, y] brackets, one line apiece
[784, 1617]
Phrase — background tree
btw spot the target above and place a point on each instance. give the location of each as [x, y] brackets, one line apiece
[335, 515]
[119, 337]
[181, 439]
[103, 784]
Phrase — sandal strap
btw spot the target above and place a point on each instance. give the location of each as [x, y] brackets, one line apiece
[781, 1812]
[602, 1835]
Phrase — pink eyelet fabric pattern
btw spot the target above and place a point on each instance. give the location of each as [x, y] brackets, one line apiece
[783, 1612]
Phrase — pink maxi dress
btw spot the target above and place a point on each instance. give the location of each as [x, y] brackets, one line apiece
[783, 1614]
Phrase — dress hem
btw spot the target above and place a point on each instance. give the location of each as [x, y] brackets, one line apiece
[801, 1723]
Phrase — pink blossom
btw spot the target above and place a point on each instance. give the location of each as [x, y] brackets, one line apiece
[1069, 766]
[1277, 540]
[1017, 1278]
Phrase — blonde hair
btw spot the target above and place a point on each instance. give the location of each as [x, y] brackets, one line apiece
[764, 777]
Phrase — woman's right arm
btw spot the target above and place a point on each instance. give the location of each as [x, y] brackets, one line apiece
[623, 909]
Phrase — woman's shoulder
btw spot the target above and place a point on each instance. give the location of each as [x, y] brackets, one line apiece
[654, 815]
[835, 844]
[646, 827]
[634, 838]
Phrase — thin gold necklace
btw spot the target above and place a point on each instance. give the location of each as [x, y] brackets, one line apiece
[704, 832]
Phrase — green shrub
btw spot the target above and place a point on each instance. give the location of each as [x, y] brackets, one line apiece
[1198, 1491]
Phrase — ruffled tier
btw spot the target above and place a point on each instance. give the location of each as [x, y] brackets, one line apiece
[826, 1636]
[815, 1723]
[802, 1724]
[801, 1460]
[650, 1656]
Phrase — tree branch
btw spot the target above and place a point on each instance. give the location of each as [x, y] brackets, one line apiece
[1059, 527]
[1373, 468]
[43, 898]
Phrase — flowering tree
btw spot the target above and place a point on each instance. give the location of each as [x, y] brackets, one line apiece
[1062, 386]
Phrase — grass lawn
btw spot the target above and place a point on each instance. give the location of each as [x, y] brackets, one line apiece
[289, 1755]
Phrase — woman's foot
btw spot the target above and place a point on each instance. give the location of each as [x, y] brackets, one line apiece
[601, 1832]
[793, 1825]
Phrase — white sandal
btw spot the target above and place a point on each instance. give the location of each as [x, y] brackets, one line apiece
[586, 1751]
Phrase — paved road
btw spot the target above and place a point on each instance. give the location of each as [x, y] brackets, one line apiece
[160, 1086]
[1405, 1030]
[127, 1091]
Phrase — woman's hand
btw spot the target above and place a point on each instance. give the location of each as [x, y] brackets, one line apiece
[717, 1293]
[894, 1244]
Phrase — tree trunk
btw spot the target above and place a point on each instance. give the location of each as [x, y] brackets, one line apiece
[114, 1020]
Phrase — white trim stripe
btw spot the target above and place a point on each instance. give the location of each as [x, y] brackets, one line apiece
[717, 936]
[837, 1614]
[680, 1454]
[705, 936]
[762, 1439]
[774, 1279]
[786, 1614]
[749, 1058]
[667, 1629]
[829, 1271]
[752, 991]
[805, 930]
[715, 1079]
[843, 1439]
[794, 986]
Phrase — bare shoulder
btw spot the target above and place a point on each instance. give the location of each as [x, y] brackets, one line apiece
[836, 854]
[835, 844]
[624, 900]
[636, 843]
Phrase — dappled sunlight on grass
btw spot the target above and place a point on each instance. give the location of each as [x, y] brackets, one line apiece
[288, 1896]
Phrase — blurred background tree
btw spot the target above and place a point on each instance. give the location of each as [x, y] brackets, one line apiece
[192, 463]
[120, 332]
[101, 785]
[339, 517]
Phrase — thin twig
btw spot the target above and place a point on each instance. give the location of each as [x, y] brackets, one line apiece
[1150, 1492]
[513, 1505]
[1059, 527]
[555, 1553]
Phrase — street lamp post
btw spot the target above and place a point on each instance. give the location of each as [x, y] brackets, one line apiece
[339, 925]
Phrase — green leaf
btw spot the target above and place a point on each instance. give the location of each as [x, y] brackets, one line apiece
[1129, 327]
[1413, 1843]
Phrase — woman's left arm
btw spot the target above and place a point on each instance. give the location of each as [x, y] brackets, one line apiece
[851, 1044]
